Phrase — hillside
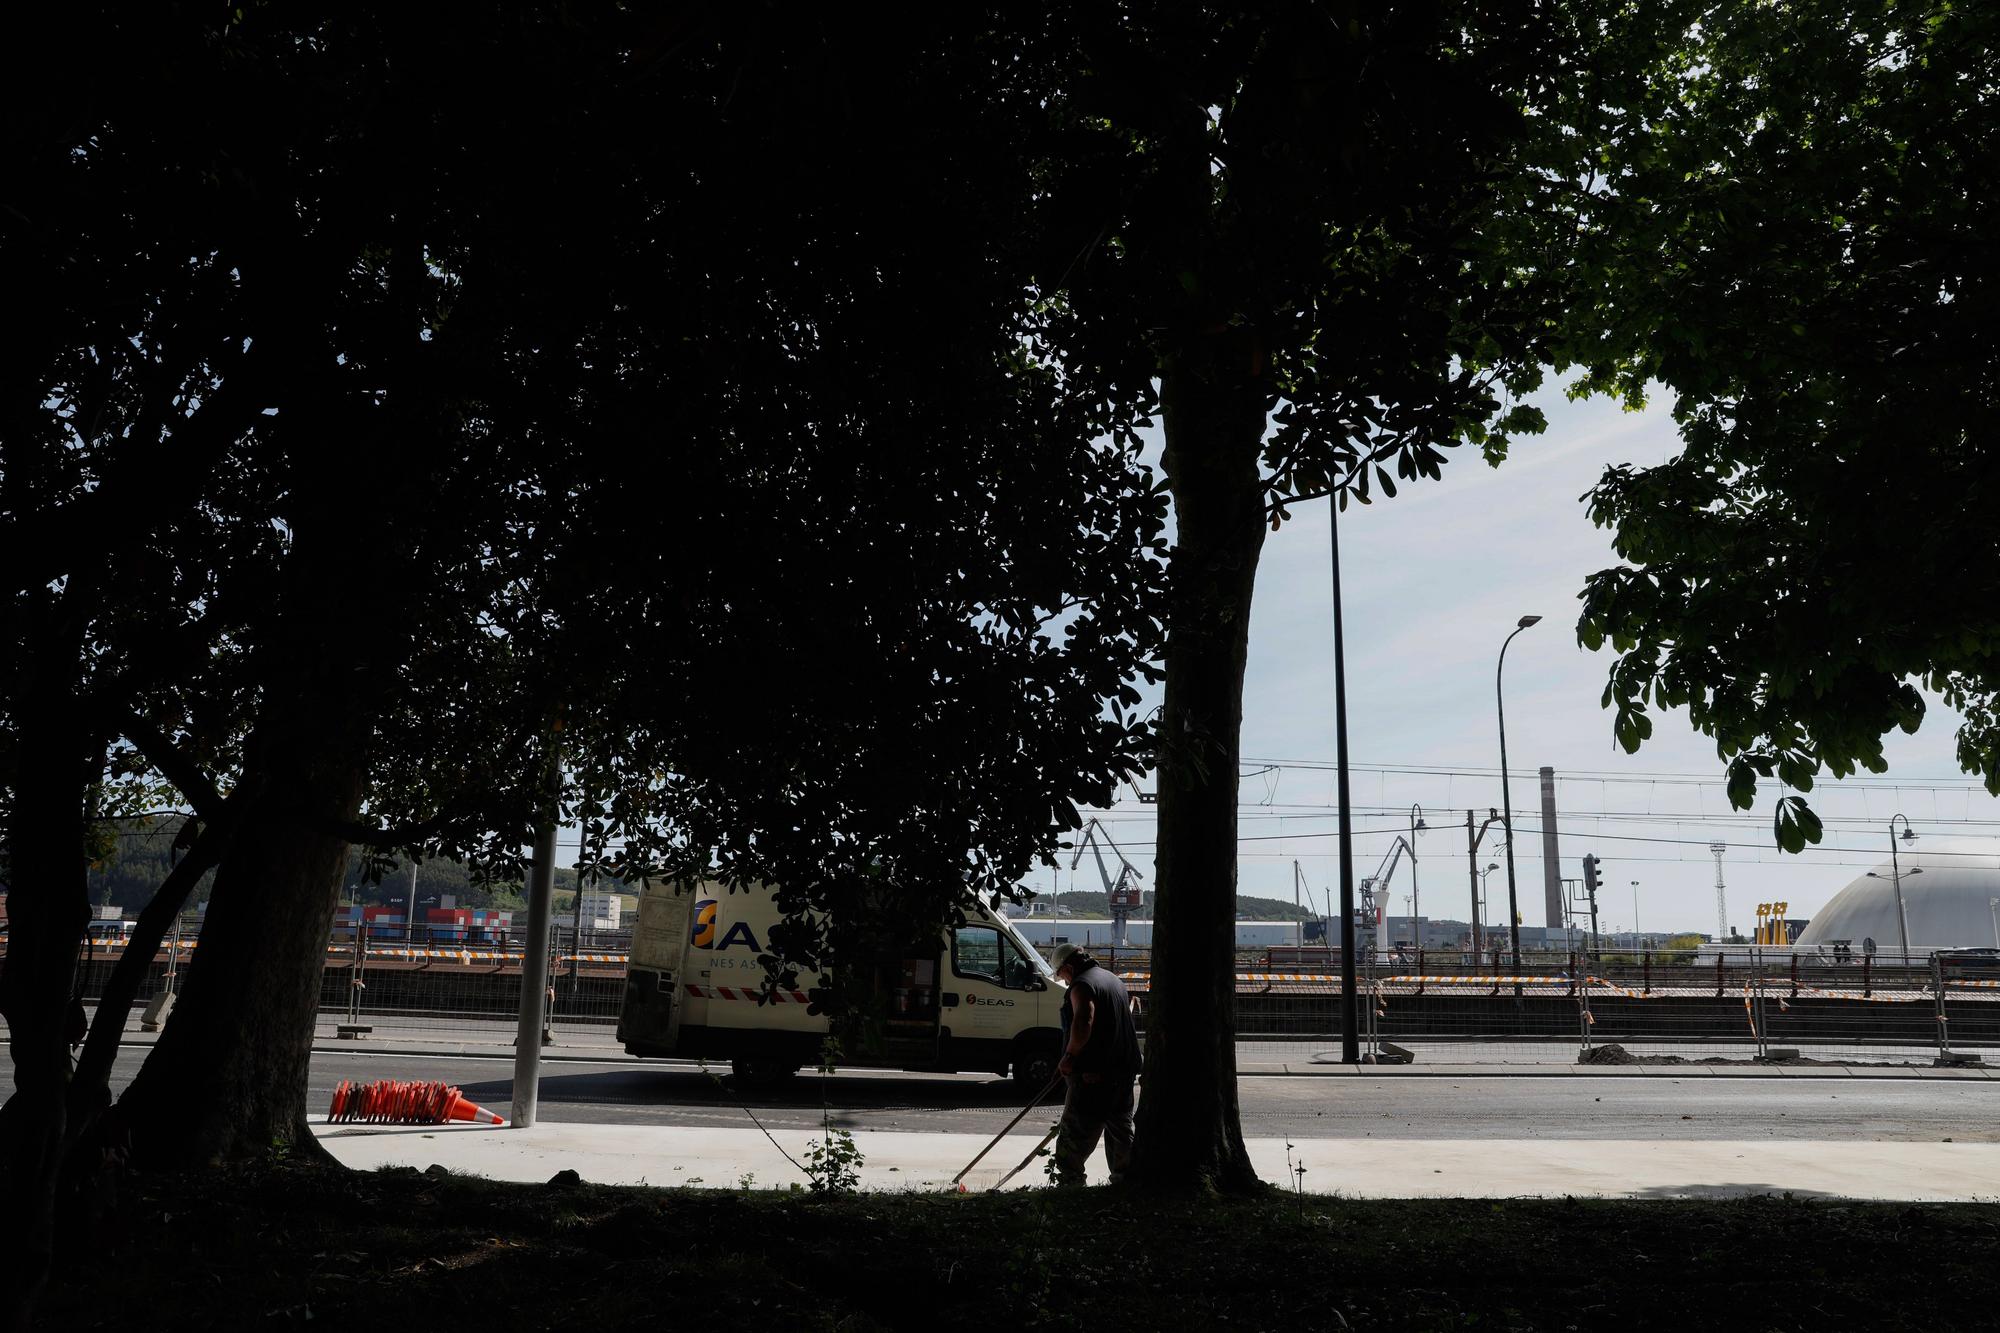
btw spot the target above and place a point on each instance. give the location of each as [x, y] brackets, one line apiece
[1082, 904]
[140, 854]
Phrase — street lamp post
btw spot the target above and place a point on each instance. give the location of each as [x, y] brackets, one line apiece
[1635, 916]
[1992, 910]
[1896, 878]
[1484, 876]
[1417, 826]
[1350, 1009]
[1506, 797]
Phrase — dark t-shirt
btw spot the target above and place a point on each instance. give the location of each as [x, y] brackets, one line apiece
[1113, 1047]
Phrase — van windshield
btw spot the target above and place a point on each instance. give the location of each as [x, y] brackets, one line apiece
[1042, 968]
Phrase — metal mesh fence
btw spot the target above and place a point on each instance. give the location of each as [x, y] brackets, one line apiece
[466, 992]
[1725, 1006]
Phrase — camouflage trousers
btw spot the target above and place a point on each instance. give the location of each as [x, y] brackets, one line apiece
[1092, 1110]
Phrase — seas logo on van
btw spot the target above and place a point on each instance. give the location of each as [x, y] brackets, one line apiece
[704, 924]
[703, 936]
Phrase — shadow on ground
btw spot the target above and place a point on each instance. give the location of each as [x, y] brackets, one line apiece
[1729, 1191]
[684, 1087]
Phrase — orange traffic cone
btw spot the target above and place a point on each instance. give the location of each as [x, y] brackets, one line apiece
[390, 1102]
[460, 1109]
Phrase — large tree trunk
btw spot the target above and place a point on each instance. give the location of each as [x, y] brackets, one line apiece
[1190, 1135]
[48, 905]
[227, 1079]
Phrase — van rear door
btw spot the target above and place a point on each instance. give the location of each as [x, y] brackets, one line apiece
[656, 993]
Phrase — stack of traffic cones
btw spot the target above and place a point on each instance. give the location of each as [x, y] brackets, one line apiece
[390, 1102]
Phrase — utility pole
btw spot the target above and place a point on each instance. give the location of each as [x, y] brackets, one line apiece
[1417, 825]
[1299, 926]
[1350, 1009]
[1721, 895]
[530, 1028]
[1472, 841]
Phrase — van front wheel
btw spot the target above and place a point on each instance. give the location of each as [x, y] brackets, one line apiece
[1035, 1062]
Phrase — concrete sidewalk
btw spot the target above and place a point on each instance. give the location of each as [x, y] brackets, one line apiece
[1371, 1168]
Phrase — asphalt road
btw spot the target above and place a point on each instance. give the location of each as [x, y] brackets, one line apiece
[1340, 1106]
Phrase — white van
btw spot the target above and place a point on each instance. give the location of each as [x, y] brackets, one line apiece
[984, 1001]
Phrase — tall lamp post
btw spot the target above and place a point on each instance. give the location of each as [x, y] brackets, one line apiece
[1896, 878]
[1506, 797]
[1484, 876]
[1350, 1008]
[1417, 825]
[1635, 916]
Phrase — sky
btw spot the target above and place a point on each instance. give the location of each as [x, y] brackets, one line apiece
[1433, 582]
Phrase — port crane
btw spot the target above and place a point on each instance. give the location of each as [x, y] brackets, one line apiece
[1122, 893]
[1372, 908]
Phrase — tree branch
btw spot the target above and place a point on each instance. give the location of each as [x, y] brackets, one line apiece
[173, 764]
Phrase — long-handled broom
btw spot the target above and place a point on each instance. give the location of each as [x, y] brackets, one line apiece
[1030, 1157]
[960, 1177]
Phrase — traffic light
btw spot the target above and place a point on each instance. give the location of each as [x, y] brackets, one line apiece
[1590, 874]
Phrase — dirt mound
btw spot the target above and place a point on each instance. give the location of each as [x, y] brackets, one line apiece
[1610, 1053]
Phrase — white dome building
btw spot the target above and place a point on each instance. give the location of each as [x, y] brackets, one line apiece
[1949, 890]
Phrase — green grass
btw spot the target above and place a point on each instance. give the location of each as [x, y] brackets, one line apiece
[400, 1249]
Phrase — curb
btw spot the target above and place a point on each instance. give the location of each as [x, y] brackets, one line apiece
[1641, 1070]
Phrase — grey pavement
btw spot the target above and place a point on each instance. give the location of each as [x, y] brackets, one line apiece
[1365, 1104]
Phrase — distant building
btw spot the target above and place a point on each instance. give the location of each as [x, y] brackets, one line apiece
[602, 911]
[1949, 889]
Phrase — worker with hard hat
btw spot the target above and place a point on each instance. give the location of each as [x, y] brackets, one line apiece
[1100, 1065]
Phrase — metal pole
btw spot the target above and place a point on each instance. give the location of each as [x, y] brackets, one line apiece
[356, 979]
[1896, 879]
[174, 953]
[1636, 942]
[1350, 1014]
[410, 918]
[1943, 1027]
[1472, 874]
[1506, 796]
[1757, 994]
[1485, 890]
[576, 931]
[529, 1029]
[1417, 826]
